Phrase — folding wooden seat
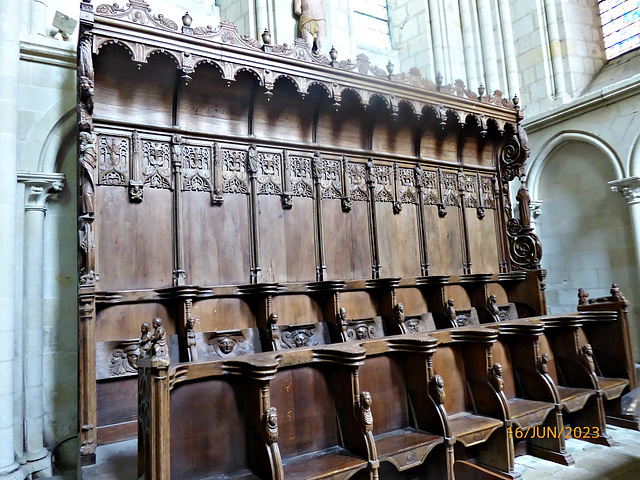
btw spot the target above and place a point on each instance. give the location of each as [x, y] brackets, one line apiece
[325, 421]
[408, 425]
[534, 410]
[572, 369]
[476, 414]
[409, 312]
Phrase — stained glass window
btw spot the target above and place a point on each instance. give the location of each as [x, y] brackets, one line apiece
[372, 23]
[620, 26]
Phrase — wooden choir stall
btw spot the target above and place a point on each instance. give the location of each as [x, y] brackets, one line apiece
[296, 266]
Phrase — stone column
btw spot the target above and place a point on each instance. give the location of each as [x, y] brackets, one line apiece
[508, 43]
[630, 189]
[536, 210]
[489, 56]
[39, 188]
[10, 60]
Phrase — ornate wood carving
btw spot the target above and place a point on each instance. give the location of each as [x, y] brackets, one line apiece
[234, 171]
[197, 169]
[358, 182]
[364, 329]
[156, 164]
[269, 174]
[113, 166]
[296, 336]
[301, 181]
[525, 249]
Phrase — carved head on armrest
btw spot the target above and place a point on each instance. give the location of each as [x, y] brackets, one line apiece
[271, 425]
[366, 417]
[436, 387]
[586, 356]
[495, 377]
[542, 363]
[398, 314]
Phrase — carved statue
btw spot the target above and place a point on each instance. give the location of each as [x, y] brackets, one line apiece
[437, 390]
[145, 340]
[191, 332]
[398, 315]
[586, 355]
[366, 415]
[252, 159]
[313, 23]
[159, 340]
[271, 425]
[342, 321]
[451, 312]
[583, 297]
[492, 307]
[495, 377]
[274, 330]
[88, 160]
[524, 205]
[85, 82]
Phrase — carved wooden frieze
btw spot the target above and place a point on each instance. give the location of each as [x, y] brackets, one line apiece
[358, 182]
[234, 171]
[487, 186]
[197, 168]
[117, 359]
[331, 179]
[269, 173]
[382, 178]
[407, 191]
[300, 176]
[450, 195]
[156, 164]
[364, 329]
[113, 162]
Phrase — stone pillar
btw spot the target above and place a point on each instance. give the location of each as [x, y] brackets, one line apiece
[630, 189]
[508, 43]
[10, 60]
[488, 40]
[536, 209]
[39, 188]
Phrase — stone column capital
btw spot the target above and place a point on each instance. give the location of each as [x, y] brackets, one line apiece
[629, 188]
[40, 187]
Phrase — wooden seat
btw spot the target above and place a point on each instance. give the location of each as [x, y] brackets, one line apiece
[315, 465]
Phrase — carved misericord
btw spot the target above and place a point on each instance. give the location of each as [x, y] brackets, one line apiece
[301, 181]
[362, 330]
[124, 358]
[271, 425]
[295, 336]
[358, 182]
[269, 173]
[196, 169]
[234, 172]
[113, 165]
[228, 344]
[156, 161]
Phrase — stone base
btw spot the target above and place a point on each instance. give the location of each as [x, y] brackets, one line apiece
[40, 468]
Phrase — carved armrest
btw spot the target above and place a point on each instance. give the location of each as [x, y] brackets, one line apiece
[363, 408]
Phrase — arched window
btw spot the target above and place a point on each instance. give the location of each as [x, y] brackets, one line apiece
[620, 26]
[372, 23]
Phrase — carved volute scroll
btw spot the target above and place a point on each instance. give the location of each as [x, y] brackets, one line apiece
[525, 250]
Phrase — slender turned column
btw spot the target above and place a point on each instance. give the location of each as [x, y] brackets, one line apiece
[39, 188]
[9, 59]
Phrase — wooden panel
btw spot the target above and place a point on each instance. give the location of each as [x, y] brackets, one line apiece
[502, 355]
[296, 309]
[343, 128]
[383, 377]
[121, 322]
[483, 244]
[448, 363]
[124, 91]
[477, 150]
[443, 241]
[223, 314]
[134, 239]
[459, 295]
[347, 248]
[398, 241]
[306, 419]
[287, 251]
[117, 401]
[207, 437]
[216, 239]
[412, 300]
[359, 304]
[209, 105]
[545, 347]
[395, 135]
[435, 145]
[286, 116]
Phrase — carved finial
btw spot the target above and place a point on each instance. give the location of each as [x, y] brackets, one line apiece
[481, 91]
[516, 102]
[271, 425]
[186, 19]
[159, 341]
[437, 389]
[495, 377]
[438, 81]
[616, 294]
[583, 297]
[333, 54]
[266, 37]
[390, 68]
[366, 415]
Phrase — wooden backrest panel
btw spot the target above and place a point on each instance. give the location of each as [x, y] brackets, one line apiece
[343, 128]
[445, 257]
[119, 322]
[297, 309]
[483, 244]
[449, 364]
[398, 237]
[306, 411]
[413, 301]
[383, 377]
[208, 431]
[499, 291]
[359, 304]
[395, 135]
[545, 347]
[226, 313]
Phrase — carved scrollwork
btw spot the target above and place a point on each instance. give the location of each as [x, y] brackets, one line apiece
[362, 330]
[525, 250]
[113, 165]
[513, 154]
[124, 358]
[228, 344]
[156, 161]
[234, 172]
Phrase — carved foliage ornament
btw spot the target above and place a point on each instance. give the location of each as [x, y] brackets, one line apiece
[113, 165]
[382, 178]
[358, 182]
[156, 161]
[234, 172]
[407, 186]
[300, 337]
[269, 174]
[331, 179]
[196, 164]
[301, 182]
